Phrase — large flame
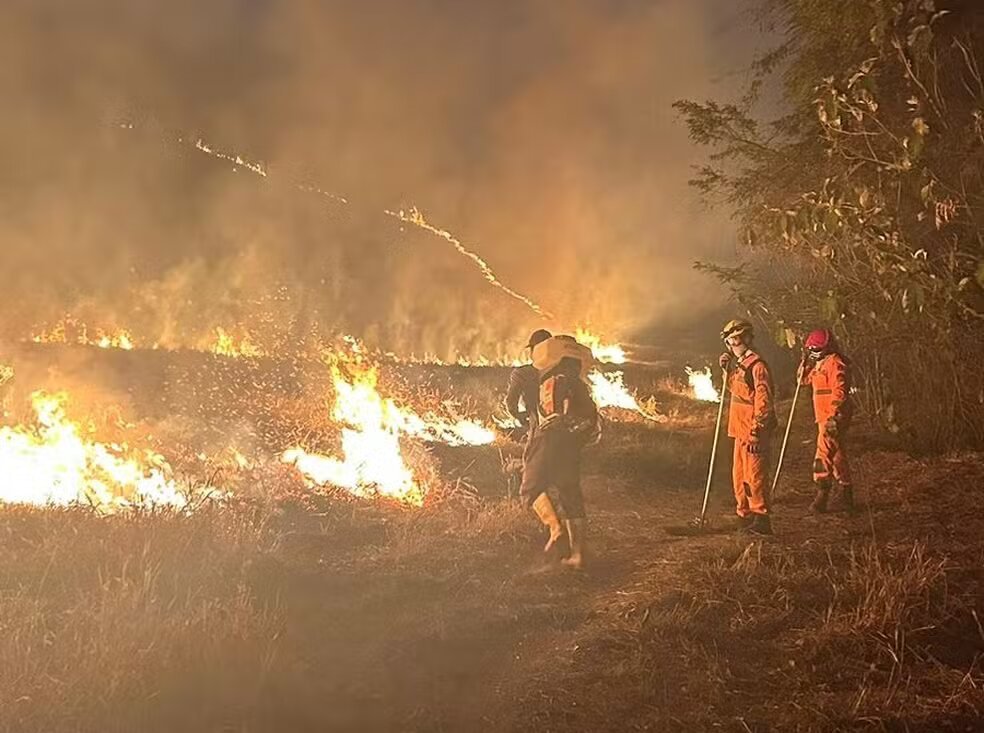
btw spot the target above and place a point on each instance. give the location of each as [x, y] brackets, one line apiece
[372, 426]
[605, 353]
[609, 390]
[51, 462]
[703, 385]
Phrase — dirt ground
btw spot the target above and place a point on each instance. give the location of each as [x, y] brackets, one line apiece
[473, 631]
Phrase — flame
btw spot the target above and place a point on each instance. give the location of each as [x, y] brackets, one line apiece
[121, 340]
[372, 426]
[51, 462]
[236, 160]
[225, 344]
[415, 216]
[609, 390]
[703, 385]
[605, 353]
[70, 331]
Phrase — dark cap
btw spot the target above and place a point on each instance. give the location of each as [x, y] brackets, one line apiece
[538, 336]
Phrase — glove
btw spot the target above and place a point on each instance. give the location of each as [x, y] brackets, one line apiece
[803, 369]
[831, 427]
[724, 360]
[754, 447]
[518, 434]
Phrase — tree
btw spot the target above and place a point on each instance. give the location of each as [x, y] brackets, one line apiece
[863, 205]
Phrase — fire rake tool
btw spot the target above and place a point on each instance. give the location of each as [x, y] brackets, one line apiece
[785, 437]
[700, 521]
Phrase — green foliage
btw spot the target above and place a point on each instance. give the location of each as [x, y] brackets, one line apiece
[861, 206]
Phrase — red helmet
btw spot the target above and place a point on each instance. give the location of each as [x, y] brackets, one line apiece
[819, 340]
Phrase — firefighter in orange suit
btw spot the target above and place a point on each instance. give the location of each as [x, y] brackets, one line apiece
[751, 423]
[827, 371]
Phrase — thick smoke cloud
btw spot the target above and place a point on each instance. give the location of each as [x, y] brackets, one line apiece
[539, 132]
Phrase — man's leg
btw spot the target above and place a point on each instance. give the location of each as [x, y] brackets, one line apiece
[738, 478]
[821, 472]
[572, 500]
[840, 469]
[758, 488]
[547, 515]
[534, 488]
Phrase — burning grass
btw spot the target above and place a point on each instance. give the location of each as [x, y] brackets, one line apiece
[55, 462]
[402, 618]
[321, 610]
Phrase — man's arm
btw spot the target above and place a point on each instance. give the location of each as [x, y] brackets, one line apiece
[804, 372]
[513, 394]
[762, 399]
[839, 389]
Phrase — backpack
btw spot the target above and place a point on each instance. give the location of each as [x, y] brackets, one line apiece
[747, 372]
[563, 394]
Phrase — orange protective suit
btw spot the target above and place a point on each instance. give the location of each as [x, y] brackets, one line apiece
[751, 421]
[830, 380]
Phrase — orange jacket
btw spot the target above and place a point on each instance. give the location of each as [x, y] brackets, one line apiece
[831, 382]
[751, 414]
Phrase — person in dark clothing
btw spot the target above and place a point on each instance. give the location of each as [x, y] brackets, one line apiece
[521, 398]
[524, 388]
[568, 421]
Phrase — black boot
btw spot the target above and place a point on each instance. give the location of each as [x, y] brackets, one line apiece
[819, 503]
[761, 524]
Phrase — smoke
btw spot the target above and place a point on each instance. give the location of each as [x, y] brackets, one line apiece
[539, 133]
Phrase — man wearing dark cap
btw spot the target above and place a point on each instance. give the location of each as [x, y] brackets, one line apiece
[524, 390]
[524, 386]
[567, 421]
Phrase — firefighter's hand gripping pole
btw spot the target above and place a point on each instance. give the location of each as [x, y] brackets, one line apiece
[714, 446]
[785, 438]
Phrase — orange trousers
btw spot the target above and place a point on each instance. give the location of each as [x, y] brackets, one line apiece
[831, 459]
[748, 475]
